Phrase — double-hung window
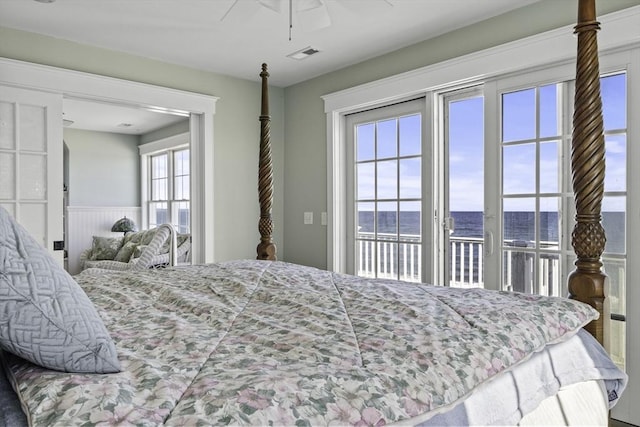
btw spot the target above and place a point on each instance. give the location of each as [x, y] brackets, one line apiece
[166, 188]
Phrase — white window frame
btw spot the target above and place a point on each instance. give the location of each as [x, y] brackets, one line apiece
[407, 107]
[494, 89]
[167, 145]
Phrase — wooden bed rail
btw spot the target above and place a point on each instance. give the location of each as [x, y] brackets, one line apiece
[587, 281]
[266, 248]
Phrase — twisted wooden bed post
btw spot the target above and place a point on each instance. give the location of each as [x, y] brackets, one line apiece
[587, 281]
[266, 248]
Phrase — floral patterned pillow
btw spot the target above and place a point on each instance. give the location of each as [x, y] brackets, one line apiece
[137, 252]
[105, 247]
[125, 252]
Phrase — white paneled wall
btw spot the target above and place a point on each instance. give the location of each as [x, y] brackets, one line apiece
[86, 222]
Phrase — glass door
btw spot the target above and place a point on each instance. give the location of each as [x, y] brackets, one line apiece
[537, 206]
[462, 224]
[31, 187]
[532, 140]
[614, 212]
[385, 181]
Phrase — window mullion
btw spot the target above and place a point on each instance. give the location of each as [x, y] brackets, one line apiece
[170, 186]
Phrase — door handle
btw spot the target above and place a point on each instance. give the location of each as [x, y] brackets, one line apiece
[449, 223]
[488, 243]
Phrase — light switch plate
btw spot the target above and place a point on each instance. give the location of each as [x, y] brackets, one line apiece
[308, 218]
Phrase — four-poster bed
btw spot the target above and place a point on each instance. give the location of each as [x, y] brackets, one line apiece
[267, 342]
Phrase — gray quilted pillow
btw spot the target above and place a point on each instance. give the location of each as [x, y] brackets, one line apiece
[45, 317]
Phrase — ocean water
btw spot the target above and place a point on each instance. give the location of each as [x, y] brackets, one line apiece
[518, 226]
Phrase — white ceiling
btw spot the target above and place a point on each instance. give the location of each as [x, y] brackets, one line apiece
[234, 37]
[103, 117]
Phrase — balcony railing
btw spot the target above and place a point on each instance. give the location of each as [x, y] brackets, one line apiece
[390, 258]
[402, 259]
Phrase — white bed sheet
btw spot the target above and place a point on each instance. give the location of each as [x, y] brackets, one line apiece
[581, 404]
[548, 374]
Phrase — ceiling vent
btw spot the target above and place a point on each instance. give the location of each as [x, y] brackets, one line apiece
[303, 53]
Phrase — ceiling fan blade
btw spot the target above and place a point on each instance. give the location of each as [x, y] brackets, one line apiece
[240, 10]
[312, 15]
[274, 5]
[308, 4]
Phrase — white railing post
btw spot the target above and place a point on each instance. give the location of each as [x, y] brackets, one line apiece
[471, 267]
[461, 265]
[453, 267]
[481, 263]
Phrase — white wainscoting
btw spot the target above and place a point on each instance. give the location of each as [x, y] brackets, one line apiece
[85, 222]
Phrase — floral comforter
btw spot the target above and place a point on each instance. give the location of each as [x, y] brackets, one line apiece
[272, 343]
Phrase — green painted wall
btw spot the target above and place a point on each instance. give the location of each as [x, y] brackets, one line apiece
[104, 168]
[166, 132]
